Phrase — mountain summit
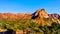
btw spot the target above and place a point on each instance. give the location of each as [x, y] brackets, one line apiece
[40, 14]
[42, 17]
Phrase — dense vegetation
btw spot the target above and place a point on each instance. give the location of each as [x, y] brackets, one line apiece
[29, 26]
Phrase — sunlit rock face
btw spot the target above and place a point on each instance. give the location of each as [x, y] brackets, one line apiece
[27, 16]
[41, 14]
[20, 15]
[10, 15]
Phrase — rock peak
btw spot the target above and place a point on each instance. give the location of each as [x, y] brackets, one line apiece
[41, 13]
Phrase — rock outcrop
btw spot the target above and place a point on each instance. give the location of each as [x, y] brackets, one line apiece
[42, 17]
[40, 13]
[55, 17]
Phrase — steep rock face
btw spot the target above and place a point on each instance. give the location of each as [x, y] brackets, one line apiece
[39, 17]
[43, 18]
[59, 17]
[40, 13]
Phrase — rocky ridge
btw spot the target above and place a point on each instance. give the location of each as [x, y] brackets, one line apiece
[40, 16]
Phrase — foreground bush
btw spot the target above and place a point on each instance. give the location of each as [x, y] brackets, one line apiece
[28, 26]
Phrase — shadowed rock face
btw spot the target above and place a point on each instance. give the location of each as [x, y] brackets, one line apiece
[33, 15]
[59, 17]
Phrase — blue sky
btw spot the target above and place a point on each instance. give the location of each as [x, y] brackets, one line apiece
[23, 6]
